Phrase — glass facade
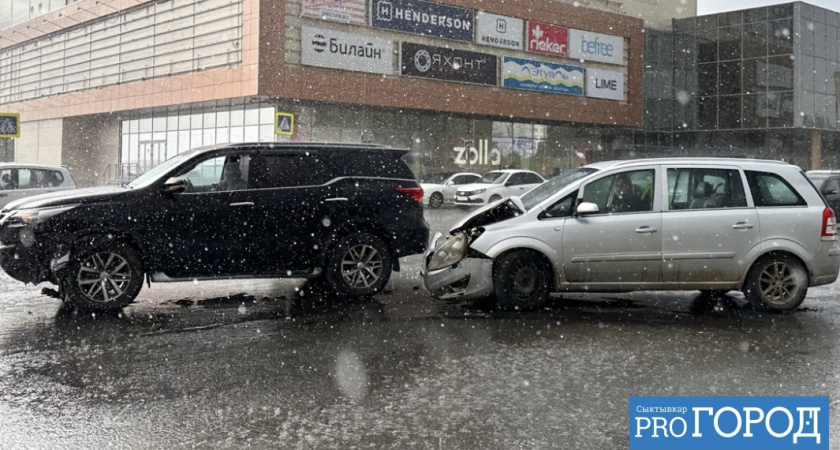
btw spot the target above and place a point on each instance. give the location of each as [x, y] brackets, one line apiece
[758, 83]
[437, 142]
[735, 71]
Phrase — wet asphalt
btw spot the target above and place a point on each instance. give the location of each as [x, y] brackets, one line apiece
[270, 364]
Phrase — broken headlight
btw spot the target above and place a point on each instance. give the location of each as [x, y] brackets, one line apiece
[449, 253]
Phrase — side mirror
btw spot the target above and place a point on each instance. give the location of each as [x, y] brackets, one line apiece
[587, 208]
[450, 183]
[830, 192]
[174, 185]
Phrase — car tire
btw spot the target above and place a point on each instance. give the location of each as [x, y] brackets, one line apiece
[359, 265]
[521, 281]
[436, 200]
[103, 278]
[494, 198]
[776, 283]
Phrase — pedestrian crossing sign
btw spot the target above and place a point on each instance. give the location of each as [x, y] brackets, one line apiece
[9, 125]
[284, 123]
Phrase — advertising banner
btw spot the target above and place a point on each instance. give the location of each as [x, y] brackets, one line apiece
[441, 63]
[548, 39]
[604, 84]
[426, 18]
[499, 31]
[542, 76]
[346, 51]
[590, 46]
[347, 11]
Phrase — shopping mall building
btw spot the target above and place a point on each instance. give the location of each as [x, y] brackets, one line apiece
[110, 88]
[113, 87]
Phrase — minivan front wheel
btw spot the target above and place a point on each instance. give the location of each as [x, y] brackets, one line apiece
[521, 281]
[776, 283]
[104, 278]
[360, 264]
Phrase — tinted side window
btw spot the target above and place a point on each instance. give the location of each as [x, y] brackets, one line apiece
[383, 164]
[769, 189]
[622, 192]
[531, 178]
[562, 208]
[702, 188]
[7, 180]
[288, 170]
[832, 186]
[515, 179]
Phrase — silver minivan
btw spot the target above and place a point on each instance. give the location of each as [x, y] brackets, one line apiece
[25, 180]
[659, 224]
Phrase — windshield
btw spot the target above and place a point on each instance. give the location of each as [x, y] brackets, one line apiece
[154, 173]
[493, 178]
[535, 196]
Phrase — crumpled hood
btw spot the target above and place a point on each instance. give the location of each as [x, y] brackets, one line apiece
[489, 214]
[68, 197]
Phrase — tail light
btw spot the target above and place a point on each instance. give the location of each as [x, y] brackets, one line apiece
[829, 223]
[414, 192]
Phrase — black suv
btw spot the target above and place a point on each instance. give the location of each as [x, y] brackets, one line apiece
[345, 213]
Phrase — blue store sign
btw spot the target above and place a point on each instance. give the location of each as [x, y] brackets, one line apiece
[542, 76]
[426, 18]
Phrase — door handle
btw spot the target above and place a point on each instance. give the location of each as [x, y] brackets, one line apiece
[336, 199]
[742, 226]
[242, 204]
[646, 230]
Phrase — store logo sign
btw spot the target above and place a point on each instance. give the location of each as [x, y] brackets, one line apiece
[424, 18]
[604, 84]
[448, 64]
[548, 39]
[589, 46]
[542, 76]
[346, 11]
[499, 31]
[346, 51]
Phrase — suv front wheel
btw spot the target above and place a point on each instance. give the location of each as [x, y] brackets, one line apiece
[360, 264]
[104, 278]
[776, 282]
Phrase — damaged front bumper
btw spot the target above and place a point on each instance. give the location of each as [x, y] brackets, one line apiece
[469, 279]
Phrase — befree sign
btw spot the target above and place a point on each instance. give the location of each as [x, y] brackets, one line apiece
[589, 46]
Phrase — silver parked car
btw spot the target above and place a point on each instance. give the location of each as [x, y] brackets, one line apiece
[496, 185]
[24, 180]
[660, 224]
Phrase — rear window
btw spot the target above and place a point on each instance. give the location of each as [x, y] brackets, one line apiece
[769, 189]
[384, 164]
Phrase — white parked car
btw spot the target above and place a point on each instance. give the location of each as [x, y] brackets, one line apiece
[24, 180]
[497, 185]
[440, 188]
[706, 224]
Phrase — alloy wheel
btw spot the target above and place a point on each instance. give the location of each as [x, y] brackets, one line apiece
[361, 266]
[104, 277]
[779, 283]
